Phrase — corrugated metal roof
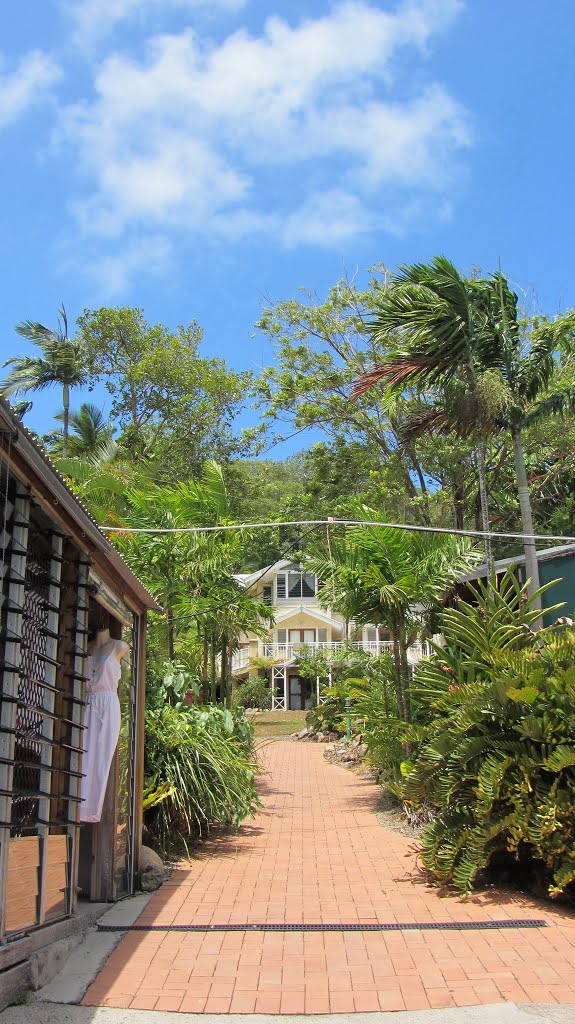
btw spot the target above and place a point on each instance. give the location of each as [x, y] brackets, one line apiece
[32, 451]
[560, 551]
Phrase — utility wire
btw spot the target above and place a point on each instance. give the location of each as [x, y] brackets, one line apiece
[338, 522]
[229, 604]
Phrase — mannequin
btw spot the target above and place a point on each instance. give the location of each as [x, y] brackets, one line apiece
[102, 720]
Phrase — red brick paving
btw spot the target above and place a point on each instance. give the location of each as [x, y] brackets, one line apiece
[316, 854]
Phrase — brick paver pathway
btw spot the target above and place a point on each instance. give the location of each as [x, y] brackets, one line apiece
[316, 854]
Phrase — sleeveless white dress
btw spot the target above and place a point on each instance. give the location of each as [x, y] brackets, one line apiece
[102, 719]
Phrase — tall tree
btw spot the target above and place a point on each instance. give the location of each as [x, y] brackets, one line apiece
[171, 404]
[322, 347]
[62, 362]
[467, 335]
[441, 321]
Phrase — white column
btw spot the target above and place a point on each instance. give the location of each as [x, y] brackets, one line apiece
[273, 686]
[286, 695]
[317, 688]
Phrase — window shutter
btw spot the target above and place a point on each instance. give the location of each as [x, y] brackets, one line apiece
[280, 586]
[282, 636]
[267, 594]
[322, 636]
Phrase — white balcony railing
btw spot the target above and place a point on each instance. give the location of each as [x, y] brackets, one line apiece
[286, 653]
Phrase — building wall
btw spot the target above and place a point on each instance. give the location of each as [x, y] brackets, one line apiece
[562, 569]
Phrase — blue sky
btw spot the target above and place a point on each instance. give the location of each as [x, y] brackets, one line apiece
[195, 156]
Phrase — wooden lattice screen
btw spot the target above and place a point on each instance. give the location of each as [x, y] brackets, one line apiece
[43, 634]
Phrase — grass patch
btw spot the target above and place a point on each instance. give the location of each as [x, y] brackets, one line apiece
[268, 724]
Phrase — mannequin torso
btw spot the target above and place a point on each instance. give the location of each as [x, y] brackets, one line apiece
[104, 645]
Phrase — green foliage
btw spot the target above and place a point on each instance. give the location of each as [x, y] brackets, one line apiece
[204, 756]
[174, 406]
[168, 683]
[375, 715]
[253, 693]
[377, 575]
[496, 756]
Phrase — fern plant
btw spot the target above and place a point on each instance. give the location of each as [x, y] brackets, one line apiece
[496, 757]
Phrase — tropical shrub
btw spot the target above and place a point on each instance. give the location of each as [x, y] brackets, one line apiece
[375, 713]
[497, 755]
[253, 693]
[328, 715]
[203, 756]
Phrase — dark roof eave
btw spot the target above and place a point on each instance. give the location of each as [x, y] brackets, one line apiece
[37, 459]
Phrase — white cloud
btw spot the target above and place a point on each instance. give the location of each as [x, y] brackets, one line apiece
[25, 85]
[299, 132]
[113, 272]
[95, 19]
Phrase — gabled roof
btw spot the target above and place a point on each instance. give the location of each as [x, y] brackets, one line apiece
[246, 579]
[313, 614]
[22, 442]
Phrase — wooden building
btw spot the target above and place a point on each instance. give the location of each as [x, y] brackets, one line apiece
[61, 579]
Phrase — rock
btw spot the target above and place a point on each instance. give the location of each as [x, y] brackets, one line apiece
[333, 737]
[319, 737]
[152, 871]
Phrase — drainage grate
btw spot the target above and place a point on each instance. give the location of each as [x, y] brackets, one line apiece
[425, 926]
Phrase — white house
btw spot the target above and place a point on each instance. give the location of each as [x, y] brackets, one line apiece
[299, 621]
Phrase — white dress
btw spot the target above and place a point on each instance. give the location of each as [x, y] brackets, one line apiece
[102, 719]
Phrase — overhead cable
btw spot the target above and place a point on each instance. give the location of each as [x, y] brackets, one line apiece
[481, 534]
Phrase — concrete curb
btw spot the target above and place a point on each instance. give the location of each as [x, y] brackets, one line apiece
[89, 956]
[501, 1013]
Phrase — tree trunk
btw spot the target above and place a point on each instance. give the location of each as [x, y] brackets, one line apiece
[458, 505]
[66, 408]
[484, 506]
[398, 674]
[405, 673]
[214, 684]
[205, 668]
[224, 671]
[171, 645]
[472, 379]
[230, 680]
[529, 546]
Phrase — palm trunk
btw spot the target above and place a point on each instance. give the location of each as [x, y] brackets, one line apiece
[214, 684]
[472, 379]
[205, 668]
[484, 506]
[405, 673]
[529, 546]
[398, 674]
[66, 408]
[224, 671]
[170, 624]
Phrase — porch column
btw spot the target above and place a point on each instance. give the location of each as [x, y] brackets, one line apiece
[286, 695]
[273, 688]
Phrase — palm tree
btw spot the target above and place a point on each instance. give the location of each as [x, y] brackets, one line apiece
[391, 577]
[441, 321]
[532, 375]
[465, 337]
[89, 433]
[61, 362]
